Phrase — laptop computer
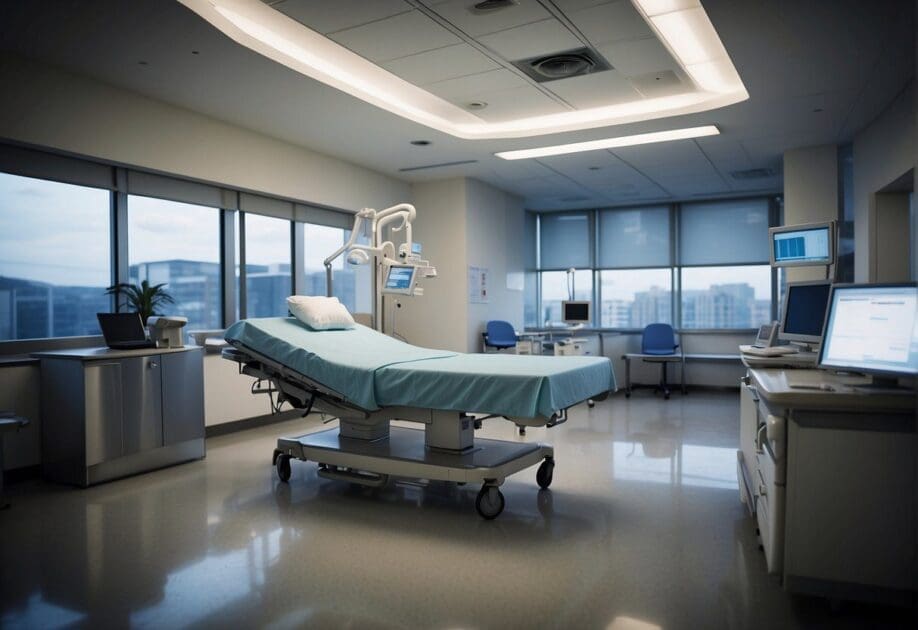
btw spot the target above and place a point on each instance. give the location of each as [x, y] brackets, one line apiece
[124, 331]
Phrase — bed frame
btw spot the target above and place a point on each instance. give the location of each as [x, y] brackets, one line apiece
[365, 449]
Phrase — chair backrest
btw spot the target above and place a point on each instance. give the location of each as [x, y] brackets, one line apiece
[500, 333]
[658, 339]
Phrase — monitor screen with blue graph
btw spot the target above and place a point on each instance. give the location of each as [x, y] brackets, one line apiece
[803, 245]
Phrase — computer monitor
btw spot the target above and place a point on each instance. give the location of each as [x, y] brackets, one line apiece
[576, 312]
[804, 311]
[872, 329]
[399, 279]
[805, 244]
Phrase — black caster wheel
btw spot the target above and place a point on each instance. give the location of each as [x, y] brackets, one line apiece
[277, 453]
[490, 502]
[590, 404]
[522, 430]
[545, 472]
[283, 468]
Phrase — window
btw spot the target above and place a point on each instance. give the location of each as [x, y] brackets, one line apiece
[636, 297]
[178, 244]
[55, 258]
[268, 255]
[565, 241]
[634, 238]
[352, 284]
[555, 289]
[724, 233]
[726, 297]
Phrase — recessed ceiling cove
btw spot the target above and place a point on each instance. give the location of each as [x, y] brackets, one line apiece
[427, 60]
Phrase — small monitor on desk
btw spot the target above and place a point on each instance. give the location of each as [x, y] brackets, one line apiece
[576, 312]
[804, 311]
[800, 245]
[872, 329]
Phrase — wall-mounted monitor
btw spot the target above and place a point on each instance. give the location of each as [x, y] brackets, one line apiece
[576, 312]
[399, 279]
[804, 311]
[801, 245]
[872, 329]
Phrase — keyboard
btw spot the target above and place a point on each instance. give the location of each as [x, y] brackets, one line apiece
[773, 351]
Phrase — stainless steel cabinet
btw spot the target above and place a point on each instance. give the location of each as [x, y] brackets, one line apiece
[109, 413]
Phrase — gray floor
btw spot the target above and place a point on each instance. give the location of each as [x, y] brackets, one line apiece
[642, 529]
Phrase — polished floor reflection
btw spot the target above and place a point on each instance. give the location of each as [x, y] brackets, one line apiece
[642, 530]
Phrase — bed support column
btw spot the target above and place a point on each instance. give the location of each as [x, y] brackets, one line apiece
[450, 430]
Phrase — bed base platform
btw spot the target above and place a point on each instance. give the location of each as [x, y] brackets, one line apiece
[365, 449]
[404, 453]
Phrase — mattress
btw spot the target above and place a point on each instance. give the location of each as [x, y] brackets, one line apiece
[372, 370]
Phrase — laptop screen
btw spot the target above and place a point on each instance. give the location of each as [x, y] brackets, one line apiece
[121, 327]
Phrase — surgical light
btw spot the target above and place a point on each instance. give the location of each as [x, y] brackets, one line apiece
[611, 143]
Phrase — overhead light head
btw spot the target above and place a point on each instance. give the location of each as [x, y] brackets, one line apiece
[358, 257]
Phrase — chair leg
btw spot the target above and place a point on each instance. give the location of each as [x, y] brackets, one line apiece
[663, 382]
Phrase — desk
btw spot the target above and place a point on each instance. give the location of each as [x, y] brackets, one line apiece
[830, 476]
[653, 358]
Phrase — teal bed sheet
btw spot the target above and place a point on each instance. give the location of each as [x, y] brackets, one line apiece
[373, 370]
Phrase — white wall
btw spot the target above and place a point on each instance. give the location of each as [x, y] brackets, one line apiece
[54, 109]
[883, 151]
[810, 194]
[463, 222]
[438, 319]
[494, 239]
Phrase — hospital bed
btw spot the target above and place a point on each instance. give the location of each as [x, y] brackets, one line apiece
[367, 379]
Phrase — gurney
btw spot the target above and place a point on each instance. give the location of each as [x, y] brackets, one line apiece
[367, 379]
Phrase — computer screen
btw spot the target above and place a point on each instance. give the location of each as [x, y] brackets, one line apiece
[872, 328]
[798, 245]
[804, 311]
[399, 278]
[576, 312]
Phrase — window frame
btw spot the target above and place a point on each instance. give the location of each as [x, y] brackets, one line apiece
[120, 181]
[775, 204]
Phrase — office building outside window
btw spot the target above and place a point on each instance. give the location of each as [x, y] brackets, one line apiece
[178, 244]
[726, 297]
[268, 256]
[634, 298]
[55, 258]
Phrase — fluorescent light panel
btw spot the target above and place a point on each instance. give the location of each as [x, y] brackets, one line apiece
[682, 26]
[612, 143]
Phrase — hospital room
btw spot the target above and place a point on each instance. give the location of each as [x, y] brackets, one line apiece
[459, 314]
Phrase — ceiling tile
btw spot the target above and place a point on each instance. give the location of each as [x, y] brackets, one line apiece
[638, 56]
[531, 40]
[458, 13]
[611, 22]
[594, 90]
[397, 36]
[440, 64]
[468, 88]
[326, 17]
[520, 102]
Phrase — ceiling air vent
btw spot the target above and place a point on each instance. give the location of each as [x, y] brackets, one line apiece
[488, 6]
[754, 173]
[563, 65]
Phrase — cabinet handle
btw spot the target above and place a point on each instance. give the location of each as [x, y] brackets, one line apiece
[152, 365]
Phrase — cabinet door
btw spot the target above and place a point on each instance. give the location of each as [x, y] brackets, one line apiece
[143, 405]
[183, 396]
[104, 432]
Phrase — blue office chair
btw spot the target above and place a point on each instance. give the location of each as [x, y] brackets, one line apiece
[499, 335]
[660, 340]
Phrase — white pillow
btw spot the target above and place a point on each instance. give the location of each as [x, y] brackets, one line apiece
[320, 313]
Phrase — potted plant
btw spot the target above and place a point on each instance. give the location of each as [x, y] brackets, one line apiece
[145, 298]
